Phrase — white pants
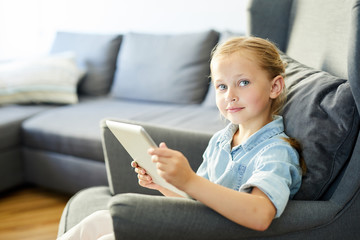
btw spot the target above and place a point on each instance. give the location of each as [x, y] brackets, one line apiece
[97, 226]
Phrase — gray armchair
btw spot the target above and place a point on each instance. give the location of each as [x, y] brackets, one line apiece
[321, 43]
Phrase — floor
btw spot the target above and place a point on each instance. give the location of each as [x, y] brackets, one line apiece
[30, 213]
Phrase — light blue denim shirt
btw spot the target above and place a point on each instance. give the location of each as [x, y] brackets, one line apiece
[265, 161]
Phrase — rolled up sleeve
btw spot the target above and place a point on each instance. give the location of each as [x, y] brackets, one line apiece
[277, 175]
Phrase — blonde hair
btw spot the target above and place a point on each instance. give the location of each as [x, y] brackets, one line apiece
[264, 53]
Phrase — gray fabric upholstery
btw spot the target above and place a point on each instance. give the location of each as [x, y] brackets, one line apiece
[11, 168]
[11, 119]
[132, 214]
[96, 54]
[81, 205]
[11, 162]
[275, 28]
[64, 173]
[311, 32]
[74, 130]
[321, 113]
[319, 34]
[164, 68]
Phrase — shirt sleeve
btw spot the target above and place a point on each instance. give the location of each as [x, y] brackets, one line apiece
[277, 174]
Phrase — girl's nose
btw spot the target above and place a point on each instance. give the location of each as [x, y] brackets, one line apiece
[230, 97]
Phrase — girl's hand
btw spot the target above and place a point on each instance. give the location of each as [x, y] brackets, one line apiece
[145, 180]
[172, 166]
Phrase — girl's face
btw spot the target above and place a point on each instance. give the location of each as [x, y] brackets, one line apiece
[243, 90]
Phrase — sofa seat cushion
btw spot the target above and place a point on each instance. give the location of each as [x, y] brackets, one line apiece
[164, 68]
[11, 119]
[321, 113]
[75, 130]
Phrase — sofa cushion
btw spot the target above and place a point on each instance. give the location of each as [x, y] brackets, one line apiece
[50, 79]
[320, 112]
[74, 130]
[12, 116]
[96, 53]
[164, 68]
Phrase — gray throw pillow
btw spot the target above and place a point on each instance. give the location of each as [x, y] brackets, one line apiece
[96, 54]
[164, 68]
[320, 112]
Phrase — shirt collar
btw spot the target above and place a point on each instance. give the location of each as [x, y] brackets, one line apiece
[270, 130]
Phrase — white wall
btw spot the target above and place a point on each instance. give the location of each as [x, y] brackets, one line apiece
[27, 27]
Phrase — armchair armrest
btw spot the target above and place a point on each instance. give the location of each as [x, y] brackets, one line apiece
[190, 219]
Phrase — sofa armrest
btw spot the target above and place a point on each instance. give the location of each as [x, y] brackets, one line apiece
[121, 176]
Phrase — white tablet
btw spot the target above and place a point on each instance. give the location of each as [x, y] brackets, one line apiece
[137, 141]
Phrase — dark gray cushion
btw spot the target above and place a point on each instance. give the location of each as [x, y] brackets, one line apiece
[164, 68]
[96, 54]
[321, 114]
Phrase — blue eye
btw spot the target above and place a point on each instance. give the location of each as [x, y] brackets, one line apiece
[243, 83]
[221, 87]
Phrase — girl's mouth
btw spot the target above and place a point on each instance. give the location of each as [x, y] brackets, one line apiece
[234, 109]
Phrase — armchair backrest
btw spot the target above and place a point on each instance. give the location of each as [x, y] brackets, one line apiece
[321, 34]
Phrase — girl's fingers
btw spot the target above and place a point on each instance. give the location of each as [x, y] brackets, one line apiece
[162, 151]
[162, 145]
[154, 158]
[140, 170]
[134, 164]
[137, 169]
[146, 177]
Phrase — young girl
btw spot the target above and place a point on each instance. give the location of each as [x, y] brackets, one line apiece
[251, 168]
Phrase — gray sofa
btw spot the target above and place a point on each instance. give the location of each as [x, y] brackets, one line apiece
[57, 144]
[322, 112]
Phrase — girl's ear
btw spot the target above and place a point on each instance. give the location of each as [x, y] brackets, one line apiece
[278, 84]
